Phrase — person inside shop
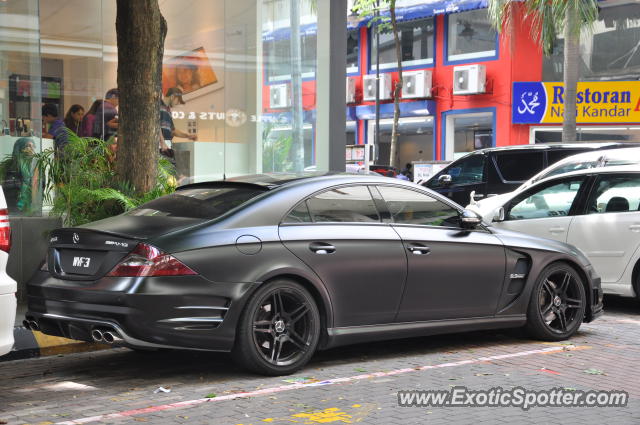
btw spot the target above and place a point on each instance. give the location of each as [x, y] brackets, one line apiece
[106, 122]
[55, 128]
[88, 121]
[20, 185]
[73, 119]
[172, 98]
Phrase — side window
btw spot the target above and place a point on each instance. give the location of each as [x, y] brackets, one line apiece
[552, 201]
[343, 204]
[519, 166]
[615, 193]
[411, 207]
[300, 214]
[465, 171]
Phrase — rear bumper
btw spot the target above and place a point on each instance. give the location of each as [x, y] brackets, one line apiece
[7, 318]
[186, 312]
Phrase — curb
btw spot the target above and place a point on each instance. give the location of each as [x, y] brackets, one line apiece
[31, 344]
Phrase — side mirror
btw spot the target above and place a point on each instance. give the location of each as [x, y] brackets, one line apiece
[444, 179]
[470, 219]
[499, 215]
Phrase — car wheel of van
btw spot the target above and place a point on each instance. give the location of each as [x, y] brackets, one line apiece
[279, 329]
[557, 304]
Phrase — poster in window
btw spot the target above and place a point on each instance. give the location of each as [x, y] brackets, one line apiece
[192, 72]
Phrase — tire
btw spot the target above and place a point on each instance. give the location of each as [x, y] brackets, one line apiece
[557, 303]
[279, 329]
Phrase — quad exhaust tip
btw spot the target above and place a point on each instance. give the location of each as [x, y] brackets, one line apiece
[97, 335]
[105, 336]
[32, 325]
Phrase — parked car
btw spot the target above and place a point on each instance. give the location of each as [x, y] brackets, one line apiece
[594, 209]
[585, 160]
[7, 284]
[384, 170]
[274, 267]
[493, 171]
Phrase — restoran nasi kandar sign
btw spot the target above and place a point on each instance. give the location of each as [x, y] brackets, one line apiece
[596, 101]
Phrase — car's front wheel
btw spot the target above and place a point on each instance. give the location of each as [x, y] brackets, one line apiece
[557, 304]
[279, 329]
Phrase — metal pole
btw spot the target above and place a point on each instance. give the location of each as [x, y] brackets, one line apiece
[377, 139]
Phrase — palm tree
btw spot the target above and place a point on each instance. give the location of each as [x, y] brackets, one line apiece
[368, 8]
[548, 18]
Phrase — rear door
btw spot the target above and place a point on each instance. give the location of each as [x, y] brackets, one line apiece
[545, 210]
[340, 235]
[609, 232]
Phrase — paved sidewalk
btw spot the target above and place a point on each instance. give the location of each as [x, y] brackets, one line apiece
[357, 384]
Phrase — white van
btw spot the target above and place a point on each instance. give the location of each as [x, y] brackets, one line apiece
[8, 286]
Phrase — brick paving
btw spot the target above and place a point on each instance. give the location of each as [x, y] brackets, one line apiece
[71, 387]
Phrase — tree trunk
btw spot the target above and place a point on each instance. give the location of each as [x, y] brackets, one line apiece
[571, 56]
[393, 160]
[297, 115]
[141, 30]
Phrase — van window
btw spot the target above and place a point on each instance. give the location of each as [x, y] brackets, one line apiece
[467, 170]
[519, 166]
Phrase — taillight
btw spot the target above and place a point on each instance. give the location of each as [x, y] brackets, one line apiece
[5, 231]
[147, 260]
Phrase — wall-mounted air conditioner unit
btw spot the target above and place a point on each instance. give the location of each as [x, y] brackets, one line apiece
[279, 96]
[351, 89]
[469, 79]
[369, 87]
[416, 84]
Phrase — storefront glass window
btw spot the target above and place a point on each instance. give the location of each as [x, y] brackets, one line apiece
[415, 140]
[589, 134]
[417, 43]
[470, 36]
[21, 88]
[609, 52]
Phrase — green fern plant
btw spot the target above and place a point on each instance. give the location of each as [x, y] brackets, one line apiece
[81, 185]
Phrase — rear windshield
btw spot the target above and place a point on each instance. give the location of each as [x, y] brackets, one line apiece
[203, 203]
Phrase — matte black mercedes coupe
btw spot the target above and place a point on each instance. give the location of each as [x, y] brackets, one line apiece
[274, 267]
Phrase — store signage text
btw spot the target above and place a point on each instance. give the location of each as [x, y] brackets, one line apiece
[596, 102]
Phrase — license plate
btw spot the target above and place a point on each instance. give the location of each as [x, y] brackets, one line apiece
[80, 261]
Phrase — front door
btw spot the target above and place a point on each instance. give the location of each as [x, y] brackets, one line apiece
[361, 261]
[452, 273]
[545, 210]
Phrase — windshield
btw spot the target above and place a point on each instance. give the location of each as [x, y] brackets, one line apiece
[202, 203]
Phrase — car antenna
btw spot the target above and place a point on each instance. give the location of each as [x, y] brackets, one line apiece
[224, 177]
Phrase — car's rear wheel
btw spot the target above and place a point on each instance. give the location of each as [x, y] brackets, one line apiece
[557, 304]
[279, 329]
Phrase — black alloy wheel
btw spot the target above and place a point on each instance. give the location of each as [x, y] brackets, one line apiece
[557, 304]
[279, 329]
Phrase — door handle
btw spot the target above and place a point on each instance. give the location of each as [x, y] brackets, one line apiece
[635, 227]
[419, 249]
[556, 229]
[322, 248]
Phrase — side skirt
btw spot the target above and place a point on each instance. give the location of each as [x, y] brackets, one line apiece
[359, 334]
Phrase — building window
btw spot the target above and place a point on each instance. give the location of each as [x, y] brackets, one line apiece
[416, 40]
[278, 57]
[587, 134]
[468, 132]
[353, 51]
[470, 36]
[609, 52]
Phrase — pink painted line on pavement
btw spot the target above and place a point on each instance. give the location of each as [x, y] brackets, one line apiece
[297, 386]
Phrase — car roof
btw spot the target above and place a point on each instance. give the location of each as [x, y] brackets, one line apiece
[601, 170]
[554, 146]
